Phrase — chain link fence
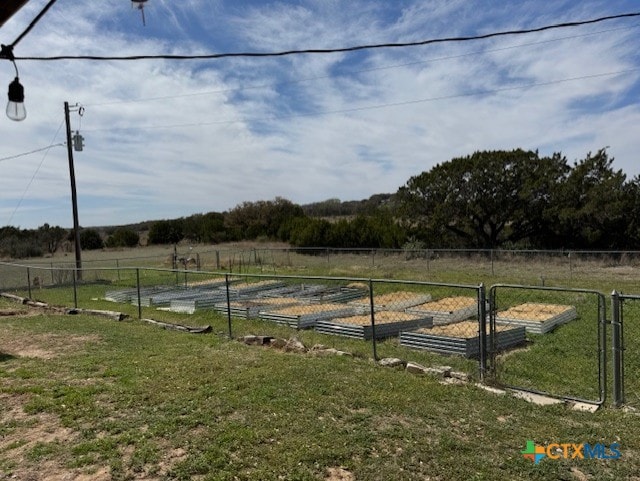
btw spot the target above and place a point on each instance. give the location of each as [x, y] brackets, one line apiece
[626, 357]
[536, 338]
[563, 353]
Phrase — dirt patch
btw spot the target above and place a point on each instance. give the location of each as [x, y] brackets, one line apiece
[23, 432]
[43, 346]
[339, 474]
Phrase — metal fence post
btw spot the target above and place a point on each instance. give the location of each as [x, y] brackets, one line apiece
[482, 319]
[139, 296]
[373, 321]
[75, 288]
[226, 283]
[617, 350]
[29, 282]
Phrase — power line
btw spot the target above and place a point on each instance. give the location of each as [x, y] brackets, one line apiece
[353, 72]
[11, 157]
[44, 156]
[33, 22]
[336, 50]
[377, 106]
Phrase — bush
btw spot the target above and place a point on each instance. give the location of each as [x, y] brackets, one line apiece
[123, 238]
[90, 239]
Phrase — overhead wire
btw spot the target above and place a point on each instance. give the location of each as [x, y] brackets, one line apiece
[24, 154]
[44, 156]
[33, 22]
[333, 50]
[353, 72]
[372, 107]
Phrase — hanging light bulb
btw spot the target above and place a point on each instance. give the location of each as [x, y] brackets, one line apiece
[139, 4]
[15, 106]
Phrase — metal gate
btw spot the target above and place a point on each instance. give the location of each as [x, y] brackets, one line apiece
[563, 354]
[625, 363]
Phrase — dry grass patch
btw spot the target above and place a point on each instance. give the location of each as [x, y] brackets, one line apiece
[45, 345]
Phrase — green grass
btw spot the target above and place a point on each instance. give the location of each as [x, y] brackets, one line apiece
[142, 402]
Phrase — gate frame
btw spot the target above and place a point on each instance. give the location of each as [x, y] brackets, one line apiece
[617, 345]
[602, 340]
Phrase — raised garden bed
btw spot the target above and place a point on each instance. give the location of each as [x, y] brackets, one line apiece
[461, 338]
[537, 318]
[447, 310]
[388, 324]
[394, 301]
[306, 316]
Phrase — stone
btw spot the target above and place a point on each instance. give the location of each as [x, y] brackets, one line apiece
[391, 362]
[415, 368]
[277, 343]
[295, 345]
[463, 376]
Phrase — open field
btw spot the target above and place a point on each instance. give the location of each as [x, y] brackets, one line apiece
[597, 270]
[85, 398]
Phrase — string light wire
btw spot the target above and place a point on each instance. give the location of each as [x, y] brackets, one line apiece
[336, 50]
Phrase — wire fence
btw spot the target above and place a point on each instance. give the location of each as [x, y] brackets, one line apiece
[536, 338]
[626, 357]
[543, 266]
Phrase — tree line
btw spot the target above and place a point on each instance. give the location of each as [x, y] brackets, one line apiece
[490, 199]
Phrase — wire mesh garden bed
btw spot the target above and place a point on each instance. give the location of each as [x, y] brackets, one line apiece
[387, 324]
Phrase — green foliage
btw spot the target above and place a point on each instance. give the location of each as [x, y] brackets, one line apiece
[166, 231]
[518, 199]
[378, 231]
[251, 220]
[123, 237]
[90, 239]
[50, 237]
[19, 244]
[205, 228]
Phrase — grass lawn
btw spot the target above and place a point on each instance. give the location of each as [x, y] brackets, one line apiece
[86, 398]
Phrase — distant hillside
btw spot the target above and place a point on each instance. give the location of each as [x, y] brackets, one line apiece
[338, 208]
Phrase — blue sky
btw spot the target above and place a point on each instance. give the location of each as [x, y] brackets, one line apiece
[166, 139]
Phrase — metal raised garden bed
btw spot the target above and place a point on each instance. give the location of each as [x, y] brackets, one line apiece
[537, 318]
[461, 338]
[387, 324]
[448, 310]
[306, 316]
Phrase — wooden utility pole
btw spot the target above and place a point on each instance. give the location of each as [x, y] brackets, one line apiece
[74, 196]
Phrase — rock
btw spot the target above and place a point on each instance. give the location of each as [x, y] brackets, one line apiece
[278, 343]
[256, 340]
[391, 362]
[294, 345]
[463, 376]
[415, 368]
[250, 340]
[330, 352]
